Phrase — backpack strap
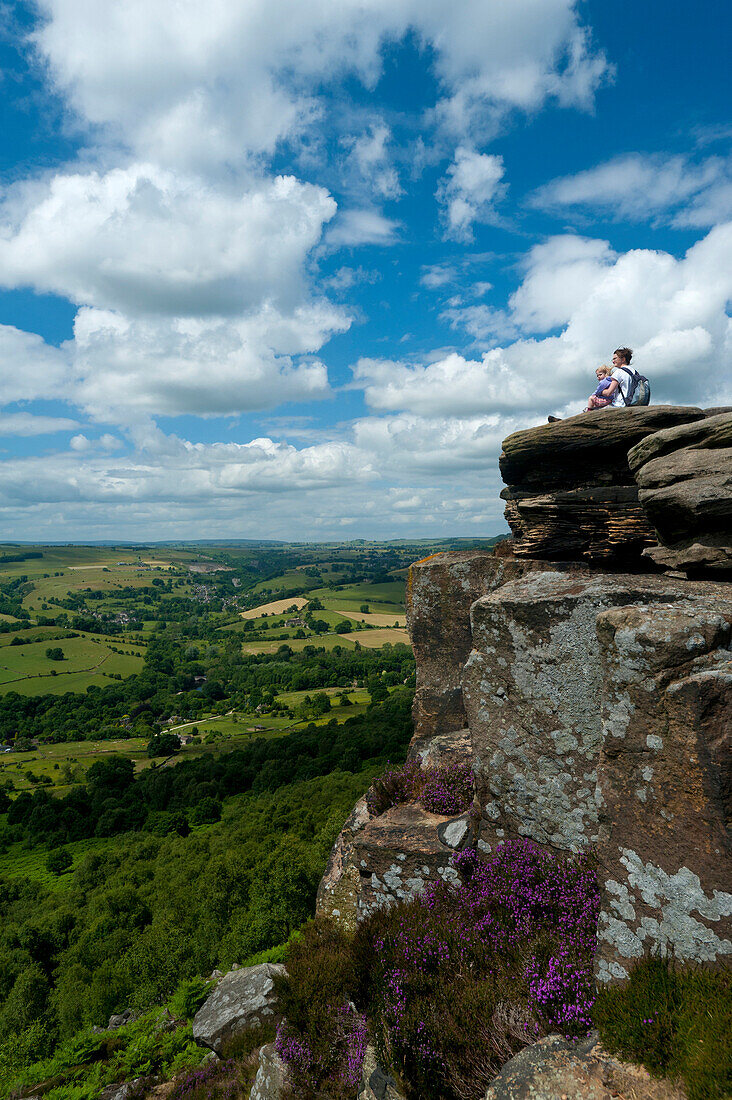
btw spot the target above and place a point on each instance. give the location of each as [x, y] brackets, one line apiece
[631, 390]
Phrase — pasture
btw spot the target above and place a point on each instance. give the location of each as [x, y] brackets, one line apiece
[375, 639]
[275, 607]
[88, 659]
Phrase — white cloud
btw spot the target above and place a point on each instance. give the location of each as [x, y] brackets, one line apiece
[24, 423]
[560, 274]
[146, 241]
[359, 227]
[126, 368]
[674, 189]
[469, 192]
[107, 442]
[368, 165]
[30, 368]
[206, 86]
[672, 311]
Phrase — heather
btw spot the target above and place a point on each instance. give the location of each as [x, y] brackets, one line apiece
[452, 983]
[675, 1020]
[322, 1038]
[442, 789]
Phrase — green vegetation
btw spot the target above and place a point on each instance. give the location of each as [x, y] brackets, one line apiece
[176, 777]
[676, 1020]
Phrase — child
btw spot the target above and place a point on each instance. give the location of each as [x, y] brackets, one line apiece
[596, 400]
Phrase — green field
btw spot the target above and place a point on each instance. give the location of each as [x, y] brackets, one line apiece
[87, 660]
[387, 598]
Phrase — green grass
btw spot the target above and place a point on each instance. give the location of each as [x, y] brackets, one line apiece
[676, 1020]
[30, 863]
[88, 660]
[293, 579]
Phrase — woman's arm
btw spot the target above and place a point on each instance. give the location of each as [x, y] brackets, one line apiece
[611, 388]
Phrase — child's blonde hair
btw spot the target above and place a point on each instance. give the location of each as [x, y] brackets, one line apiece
[604, 369]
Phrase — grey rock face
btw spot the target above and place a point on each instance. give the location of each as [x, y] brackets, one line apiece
[440, 592]
[271, 1079]
[665, 780]
[532, 687]
[684, 477]
[338, 890]
[241, 999]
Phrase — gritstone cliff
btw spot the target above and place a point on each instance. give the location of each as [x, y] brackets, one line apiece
[591, 691]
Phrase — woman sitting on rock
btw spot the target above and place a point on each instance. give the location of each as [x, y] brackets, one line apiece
[621, 378]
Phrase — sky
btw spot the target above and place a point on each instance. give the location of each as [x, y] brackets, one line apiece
[293, 271]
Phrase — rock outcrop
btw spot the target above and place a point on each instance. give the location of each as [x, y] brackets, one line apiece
[242, 998]
[570, 493]
[560, 1069]
[684, 477]
[595, 705]
[441, 590]
[271, 1080]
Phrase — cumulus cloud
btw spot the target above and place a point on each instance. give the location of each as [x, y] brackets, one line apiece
[124, 368]
[205, 87]
[30, 368]
[674, 312]
[636, 187]
[469, 192]
[148, 241]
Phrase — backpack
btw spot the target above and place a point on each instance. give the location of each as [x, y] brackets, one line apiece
[639, 391]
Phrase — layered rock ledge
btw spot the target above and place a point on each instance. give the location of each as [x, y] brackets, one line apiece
[570, 493]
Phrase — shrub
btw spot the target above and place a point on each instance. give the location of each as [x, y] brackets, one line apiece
[464, 976]
[442, 789]
[675, 1020]
[322, 1038]
[448, 788]
[226, 1080]
[402, 784]
[58, 861]
[188, 997]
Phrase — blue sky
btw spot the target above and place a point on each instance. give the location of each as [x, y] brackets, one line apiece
[285, 270]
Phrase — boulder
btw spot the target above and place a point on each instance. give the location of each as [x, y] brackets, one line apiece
[243, 998]
[271, 1080]
[684, 477]
[440, 592]
[570, 494]
[532, 688]
[665, 780]
[376, 1083]
[561, 1069]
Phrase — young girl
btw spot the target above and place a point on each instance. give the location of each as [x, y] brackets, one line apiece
[596, 400]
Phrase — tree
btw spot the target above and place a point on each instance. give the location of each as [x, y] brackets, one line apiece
[163, 744]
[58, 861]
[55, 653]
[206, 812]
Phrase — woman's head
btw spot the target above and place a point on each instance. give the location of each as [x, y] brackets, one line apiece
[622, 357]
